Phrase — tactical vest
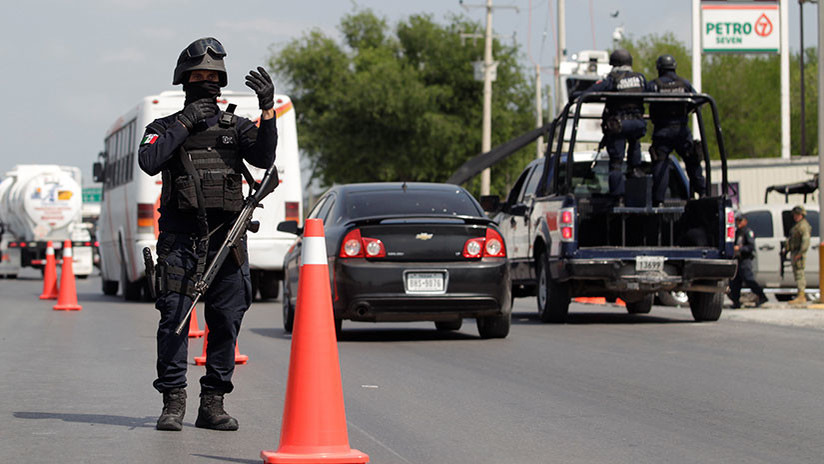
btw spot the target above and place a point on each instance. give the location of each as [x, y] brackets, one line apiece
[215, 156]
[675, 112]
[626, 82]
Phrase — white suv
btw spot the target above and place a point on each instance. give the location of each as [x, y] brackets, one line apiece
[771, 225]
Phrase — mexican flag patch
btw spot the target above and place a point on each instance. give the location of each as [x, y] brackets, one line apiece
[149, 139]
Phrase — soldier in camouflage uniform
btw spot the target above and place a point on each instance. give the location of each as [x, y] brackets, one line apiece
[797, 245]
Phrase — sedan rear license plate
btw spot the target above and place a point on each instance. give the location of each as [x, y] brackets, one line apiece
[425, 282]
[649, 263]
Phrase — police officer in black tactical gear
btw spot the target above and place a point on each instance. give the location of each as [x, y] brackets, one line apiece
[623, 119]
[200, 151]
[744, 249]
[670, 132]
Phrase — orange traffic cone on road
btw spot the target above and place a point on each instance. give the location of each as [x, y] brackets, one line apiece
[240, 358]
[67, 296]
[49, 274]
[314, 419]
[201, 360]
[194, 330]
[591, 300]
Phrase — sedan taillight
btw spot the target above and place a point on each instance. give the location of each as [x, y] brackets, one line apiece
[356, 246]
[490, 246]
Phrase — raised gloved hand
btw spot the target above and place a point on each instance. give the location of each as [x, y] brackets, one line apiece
[197, 111]
[262, 84]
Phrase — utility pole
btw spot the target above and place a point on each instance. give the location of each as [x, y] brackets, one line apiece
[784, 8]
[560, 54]
[486, 136]
[801, 58]
[697, 51]
[820, 132]
[803, 100]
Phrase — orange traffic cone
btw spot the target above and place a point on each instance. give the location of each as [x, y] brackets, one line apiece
[194, 330]
[201, 360]
[67, 296]
[314, 420]
[49, 274]
[240, 358]
[591, 300]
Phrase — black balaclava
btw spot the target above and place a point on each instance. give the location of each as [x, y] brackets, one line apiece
[201, 89]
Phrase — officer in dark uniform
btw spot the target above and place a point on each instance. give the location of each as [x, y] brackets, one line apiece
[200, 151]
[670, 132]
[623, 119]
[744, 249]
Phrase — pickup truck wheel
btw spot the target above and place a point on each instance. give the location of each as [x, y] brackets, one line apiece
[705, 306]
[269, 285]
[494, 326]
[109, 286]
[445, 326]
[642, 306]
[553, 296]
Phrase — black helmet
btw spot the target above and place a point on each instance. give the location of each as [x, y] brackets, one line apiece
[207, 54]
[665, 63]
[620, 57]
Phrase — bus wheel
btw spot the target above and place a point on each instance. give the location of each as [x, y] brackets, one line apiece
[132, 291]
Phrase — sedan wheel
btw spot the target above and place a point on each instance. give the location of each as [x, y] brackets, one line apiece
[288, 313]
[495, 326]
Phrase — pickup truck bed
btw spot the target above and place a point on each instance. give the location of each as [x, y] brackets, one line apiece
[567, 238]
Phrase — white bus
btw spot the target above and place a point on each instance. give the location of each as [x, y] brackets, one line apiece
[130, 197]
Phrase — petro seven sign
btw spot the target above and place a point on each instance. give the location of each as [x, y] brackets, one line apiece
[743, 27]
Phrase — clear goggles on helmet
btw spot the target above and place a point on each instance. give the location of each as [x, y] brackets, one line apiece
[202, 46]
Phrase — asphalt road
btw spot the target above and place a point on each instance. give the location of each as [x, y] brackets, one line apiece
[604, 388]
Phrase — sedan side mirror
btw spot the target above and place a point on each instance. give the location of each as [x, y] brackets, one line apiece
[491, 203]
[290, 226]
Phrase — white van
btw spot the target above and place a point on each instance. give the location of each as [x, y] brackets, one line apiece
[771, 225]
[130, 197]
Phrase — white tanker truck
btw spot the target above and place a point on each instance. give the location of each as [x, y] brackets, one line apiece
[39, 203]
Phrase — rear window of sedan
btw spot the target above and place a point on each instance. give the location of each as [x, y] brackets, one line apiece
[398, 202]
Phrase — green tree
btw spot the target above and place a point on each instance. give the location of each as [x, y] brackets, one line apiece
[391, 104]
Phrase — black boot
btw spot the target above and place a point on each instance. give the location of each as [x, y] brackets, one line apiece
[211, 414]
[174, 407]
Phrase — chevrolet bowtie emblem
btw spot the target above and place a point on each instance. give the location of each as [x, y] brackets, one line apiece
[423, 236]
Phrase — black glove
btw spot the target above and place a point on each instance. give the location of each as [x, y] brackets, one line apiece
[196, 112]
[262, 84]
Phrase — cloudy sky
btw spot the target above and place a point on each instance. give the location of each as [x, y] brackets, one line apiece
[71, 68]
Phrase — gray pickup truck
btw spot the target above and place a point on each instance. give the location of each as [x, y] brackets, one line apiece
[567, 238]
